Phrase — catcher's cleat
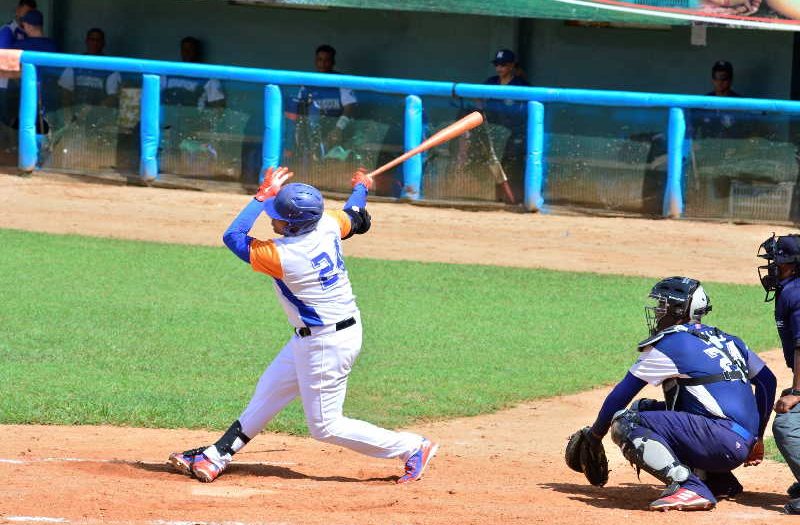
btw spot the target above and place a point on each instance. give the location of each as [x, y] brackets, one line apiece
[730, 491]
[183, 461]
[416, 463]
[682, 499]
[793, 507]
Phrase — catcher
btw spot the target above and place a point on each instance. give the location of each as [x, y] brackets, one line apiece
[711, 420]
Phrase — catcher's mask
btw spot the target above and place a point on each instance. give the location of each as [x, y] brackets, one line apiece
[298, 204]
[777, 250]
[675, 299]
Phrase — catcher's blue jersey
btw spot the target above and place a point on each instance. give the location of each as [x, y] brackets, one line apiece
[680, 354]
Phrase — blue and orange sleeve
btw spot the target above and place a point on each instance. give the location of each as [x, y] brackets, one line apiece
[345, 225]
[265, 258]
[236, 237]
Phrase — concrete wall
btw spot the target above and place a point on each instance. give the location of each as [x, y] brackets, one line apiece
[662, 61]
[382, 43]
[431, 46]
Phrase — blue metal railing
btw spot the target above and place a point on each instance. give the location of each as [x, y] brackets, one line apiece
[537, 98]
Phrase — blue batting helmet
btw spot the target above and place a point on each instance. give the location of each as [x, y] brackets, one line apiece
[298, 204]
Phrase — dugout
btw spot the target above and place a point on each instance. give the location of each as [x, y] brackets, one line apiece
[597, 157]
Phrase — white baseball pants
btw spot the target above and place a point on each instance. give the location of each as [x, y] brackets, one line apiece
[316, 368]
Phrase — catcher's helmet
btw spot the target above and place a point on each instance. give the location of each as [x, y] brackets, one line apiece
[677, 298]
[777, 250]
[298, 204]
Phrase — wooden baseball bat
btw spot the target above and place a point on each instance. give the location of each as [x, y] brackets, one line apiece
[455, 129]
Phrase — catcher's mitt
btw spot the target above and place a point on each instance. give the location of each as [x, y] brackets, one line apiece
[585, 453]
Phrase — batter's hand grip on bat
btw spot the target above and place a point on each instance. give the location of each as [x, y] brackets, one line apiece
[452, 131]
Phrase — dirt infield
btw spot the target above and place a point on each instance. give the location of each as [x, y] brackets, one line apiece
[502, 468]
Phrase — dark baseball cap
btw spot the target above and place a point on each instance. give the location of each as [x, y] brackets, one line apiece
[504, 56]
[722, 65]
[33, 17]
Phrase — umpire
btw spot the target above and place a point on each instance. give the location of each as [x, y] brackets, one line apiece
[779, 279]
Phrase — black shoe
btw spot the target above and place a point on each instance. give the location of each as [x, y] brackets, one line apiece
[729, 492]
[793, 507]
[794, 490]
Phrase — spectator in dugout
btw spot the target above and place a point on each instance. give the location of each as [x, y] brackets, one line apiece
[90, 87]
[184, 91]
[329, 109]
[12, 31]
[717, 123]
[32, 24]
[510, 114]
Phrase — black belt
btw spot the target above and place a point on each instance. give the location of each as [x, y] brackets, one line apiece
[305, 331]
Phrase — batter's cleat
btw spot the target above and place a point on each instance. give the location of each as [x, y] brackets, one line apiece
[416, 463]
[682, 499]
[205, 469]
[794, 490]
[196, 463]
[183, 461]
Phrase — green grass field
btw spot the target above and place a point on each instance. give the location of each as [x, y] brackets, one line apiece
[144, 334]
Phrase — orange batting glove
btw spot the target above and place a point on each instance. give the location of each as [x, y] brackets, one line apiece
[361, 177]
[273, 180]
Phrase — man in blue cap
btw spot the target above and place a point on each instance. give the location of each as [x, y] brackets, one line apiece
[32, 24]
[510, 114]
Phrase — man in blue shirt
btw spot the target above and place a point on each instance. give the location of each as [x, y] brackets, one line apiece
[321, 118]
[779, 279]
[710, 421]
[12, 31]
[32, 24]
[511, 114]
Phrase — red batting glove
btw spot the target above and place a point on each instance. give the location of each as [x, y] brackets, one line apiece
[273, 180]
[361, 177]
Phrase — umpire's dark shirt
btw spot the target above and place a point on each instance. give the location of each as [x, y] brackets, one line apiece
[787, 317]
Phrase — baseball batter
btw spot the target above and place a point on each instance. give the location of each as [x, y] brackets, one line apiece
[313, 286]
[711, 419]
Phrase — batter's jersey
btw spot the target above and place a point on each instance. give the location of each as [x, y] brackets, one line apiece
[679, 354]
[787, 317]
[310, 276]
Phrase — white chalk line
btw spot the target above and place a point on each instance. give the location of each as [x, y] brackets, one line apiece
[35, 518]
[46, 519]
[29, 461]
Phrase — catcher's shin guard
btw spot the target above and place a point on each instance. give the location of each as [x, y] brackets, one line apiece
[641, 446]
